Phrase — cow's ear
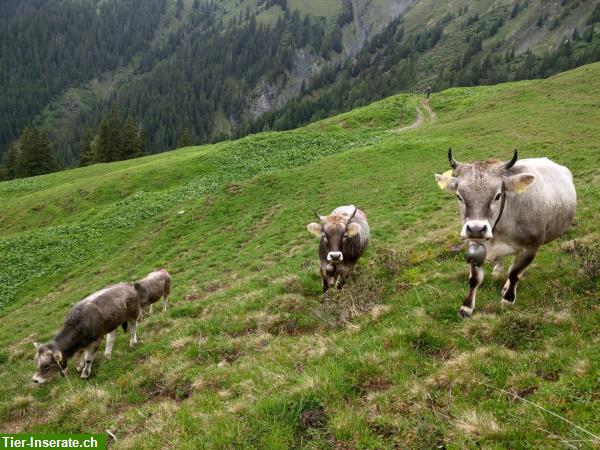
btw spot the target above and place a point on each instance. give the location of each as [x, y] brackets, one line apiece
[446, 181]
[353, 229]
[57, 357]
[315, 228]
[36, 345]
[519, 183]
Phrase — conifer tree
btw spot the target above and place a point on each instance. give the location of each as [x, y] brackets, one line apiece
[100, 143]
[185, 140]
[87, 156]
[35, 155]
[113, 138]
[130, 142]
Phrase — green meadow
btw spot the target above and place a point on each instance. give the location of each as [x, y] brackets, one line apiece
[250, 353]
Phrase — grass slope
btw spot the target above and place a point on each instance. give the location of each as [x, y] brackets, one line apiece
[250, 354]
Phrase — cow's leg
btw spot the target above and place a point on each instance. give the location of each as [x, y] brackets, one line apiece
[132, 325]
[150, 309]
[166, 293]
[515, 273]
[110, 342]
[325, 277]
[498, 267]
[90, 353]
[475, 280]
[81, 363]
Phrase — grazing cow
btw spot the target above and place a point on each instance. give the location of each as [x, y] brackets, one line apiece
[86, 324]
[344, 238]
[158, 284]
[508, 208]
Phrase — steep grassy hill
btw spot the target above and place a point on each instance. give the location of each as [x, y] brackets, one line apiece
[250, 353]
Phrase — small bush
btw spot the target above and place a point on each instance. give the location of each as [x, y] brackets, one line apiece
[359, 295]
[587, 258]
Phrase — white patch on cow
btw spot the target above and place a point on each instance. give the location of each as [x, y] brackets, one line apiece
[344, 210]
[466, 310]
[96, 294]
[110, 342]
[39, 379]
[335, 257]
[499, 249]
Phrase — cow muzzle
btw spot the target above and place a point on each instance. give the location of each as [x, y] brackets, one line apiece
[335, 257]
[476, 229]
[38, 380]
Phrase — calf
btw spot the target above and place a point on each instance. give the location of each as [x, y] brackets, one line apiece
[508, 208]
[86, 324]
[158, 284]
[344, 238]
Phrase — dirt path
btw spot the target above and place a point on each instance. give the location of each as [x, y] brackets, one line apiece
[420, 118]
[431, 112]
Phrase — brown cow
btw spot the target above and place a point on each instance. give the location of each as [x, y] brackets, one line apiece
[86, 324]
[344, 238]
[158, 284]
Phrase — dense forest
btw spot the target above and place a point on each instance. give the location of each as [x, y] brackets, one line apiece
[47, 46]
[213, 69]
[194, 70]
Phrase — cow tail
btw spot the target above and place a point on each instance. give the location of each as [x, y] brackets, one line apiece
[124, 325]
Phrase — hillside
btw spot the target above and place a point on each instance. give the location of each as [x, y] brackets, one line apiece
[250, 354]
[216, 69]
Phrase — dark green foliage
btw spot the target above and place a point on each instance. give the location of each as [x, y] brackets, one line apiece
[87, 156]
[60, 44]
[595, 16]
[30, 156]
[212, 70]
[115, 140]
[185, 140]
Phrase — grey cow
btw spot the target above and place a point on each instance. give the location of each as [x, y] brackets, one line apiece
[508, 208]
[86, 324]
[344, 236]
[158, 284]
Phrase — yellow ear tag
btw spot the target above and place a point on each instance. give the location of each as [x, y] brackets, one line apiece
[442, 184]
[522, 187]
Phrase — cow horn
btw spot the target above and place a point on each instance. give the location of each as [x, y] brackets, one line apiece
[451, 160]
[317, 215]
[512, 162]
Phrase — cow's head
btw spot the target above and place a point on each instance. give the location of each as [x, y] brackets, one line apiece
[48, 362]
[334, 231]
[142, 292]
[480, 188]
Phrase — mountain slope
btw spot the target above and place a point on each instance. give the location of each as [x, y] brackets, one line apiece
[228, 68]
[250, 353]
